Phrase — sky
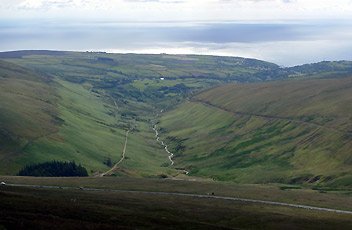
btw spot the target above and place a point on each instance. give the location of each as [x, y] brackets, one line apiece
[286, 32]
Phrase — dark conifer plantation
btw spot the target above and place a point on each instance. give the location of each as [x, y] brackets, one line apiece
[54, 169]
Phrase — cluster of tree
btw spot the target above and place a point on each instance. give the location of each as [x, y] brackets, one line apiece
[159, 93]
[178, 88]
[54, 169]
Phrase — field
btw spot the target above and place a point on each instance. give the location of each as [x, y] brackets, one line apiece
[296, 132]
[70, 207]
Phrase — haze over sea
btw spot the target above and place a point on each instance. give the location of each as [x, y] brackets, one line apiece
[284, 32]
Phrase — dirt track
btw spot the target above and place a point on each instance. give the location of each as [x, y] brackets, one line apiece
[119, 162]
[269, 117]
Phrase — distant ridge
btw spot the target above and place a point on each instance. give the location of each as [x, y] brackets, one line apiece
[21, 53]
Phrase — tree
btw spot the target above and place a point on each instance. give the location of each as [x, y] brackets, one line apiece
[54, 169]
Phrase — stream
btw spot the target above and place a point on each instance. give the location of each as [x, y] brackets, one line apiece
[171, 155]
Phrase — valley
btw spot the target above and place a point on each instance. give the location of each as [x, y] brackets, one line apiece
[99, 96]
[208, 115]
[214, 142]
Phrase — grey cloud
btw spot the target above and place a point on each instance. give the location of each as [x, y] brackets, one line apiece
[270, 41]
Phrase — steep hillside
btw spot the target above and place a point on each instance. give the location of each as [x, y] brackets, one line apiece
[27, 110]
[287, 132]
[47, 118]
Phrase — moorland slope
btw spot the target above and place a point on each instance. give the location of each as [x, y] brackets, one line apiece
[296, 131]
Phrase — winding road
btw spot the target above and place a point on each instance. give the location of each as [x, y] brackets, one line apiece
[110, 171]
[238, 199]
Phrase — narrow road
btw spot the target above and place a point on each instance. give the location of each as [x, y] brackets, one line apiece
[245, 200]
[119, 162]
[110, 171]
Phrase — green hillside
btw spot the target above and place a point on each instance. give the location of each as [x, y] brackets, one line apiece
[78, 106]
[46, 118]
[286, 132]
[27, 111]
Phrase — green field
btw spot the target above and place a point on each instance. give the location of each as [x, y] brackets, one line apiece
[286, 132]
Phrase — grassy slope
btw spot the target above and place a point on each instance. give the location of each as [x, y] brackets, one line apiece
[292, 132]
[27, 111]
[85, 136]
[45, 120]
[89, 134]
